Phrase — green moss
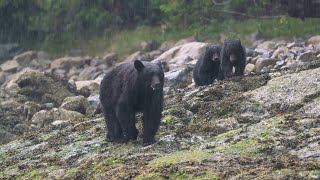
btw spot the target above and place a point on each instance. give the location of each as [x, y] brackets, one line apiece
[181, 175]
[243, 147]
[35, 174]
[168, 119]
[228, 133]
[150, 176]
[179, 157]
[266, 134]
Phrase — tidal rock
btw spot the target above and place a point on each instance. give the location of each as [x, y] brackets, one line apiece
[9, 66]
[307, 57]
[264, 62]
[75, 103]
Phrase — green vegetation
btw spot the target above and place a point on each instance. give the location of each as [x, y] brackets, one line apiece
[180, 157]
[97, 26]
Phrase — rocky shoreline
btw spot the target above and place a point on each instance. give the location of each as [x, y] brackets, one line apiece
[265, 125]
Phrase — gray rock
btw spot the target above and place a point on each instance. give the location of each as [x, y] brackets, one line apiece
[249, 68]
[165, 46]
[265, 53]
[110, 59]
[147, 46]
[181, 55]
[2, 77]
[186, 41]
[307, 57]
[314, 40]
[137, 56]
[279, 51]
[264, 62]
[265, 70]
[175, 77]
[30, 108]
[40, 87]
[44, 117]
[9, 66]
[280, 63]
[75, 103]
[25, 58]
[21, 129]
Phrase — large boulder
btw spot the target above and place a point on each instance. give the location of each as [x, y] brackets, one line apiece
[40, 87]
[264, 62]
[181, 55]
[44, 118]
[25, 58]
[67, 63]
[9, 66]
[75, 103]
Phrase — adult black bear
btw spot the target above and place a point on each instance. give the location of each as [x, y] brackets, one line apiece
[233, 54]
[207, 67]
[129, 88]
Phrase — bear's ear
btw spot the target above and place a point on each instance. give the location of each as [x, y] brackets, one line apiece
[138, 65]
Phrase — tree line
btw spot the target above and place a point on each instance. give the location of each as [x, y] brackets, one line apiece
[45, 20]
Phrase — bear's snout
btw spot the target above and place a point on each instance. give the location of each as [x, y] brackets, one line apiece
[156, 86]
[155, 83]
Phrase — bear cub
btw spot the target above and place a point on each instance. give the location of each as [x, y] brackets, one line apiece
[207, 67]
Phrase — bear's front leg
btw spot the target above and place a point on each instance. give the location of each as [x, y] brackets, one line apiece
[126, 117]
[151, 122]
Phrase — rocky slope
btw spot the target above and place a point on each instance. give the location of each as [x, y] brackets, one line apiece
[263, 125]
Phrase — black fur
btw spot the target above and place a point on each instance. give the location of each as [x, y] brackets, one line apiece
[233, 54]
[129, 88]
[207, 67]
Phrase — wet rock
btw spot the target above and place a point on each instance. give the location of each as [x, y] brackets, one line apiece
[42, 88]
[307, 57]
[6, 137]
[9, 66]
[75, 103]
[44, 118]
[30, 108]
[249, 68]
[265, 70]
[185, 41]
[60, 123]
[25, 58]
[154, 54]
[148, 46]
[280, 50]
[178, 76]
[165, 46]
[183, 54]
[88, 73]
[20, 129]
[110, 59]
[264, 62]
[264, 53]
[94, 105]
[66, 63]
[2, 77]
[280, 63]
[281, 94]
[267, 45]
[137, 56]
[314, 40]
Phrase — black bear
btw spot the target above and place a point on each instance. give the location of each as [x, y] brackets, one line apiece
[129, 88]
[233, 55]
[207, 67]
